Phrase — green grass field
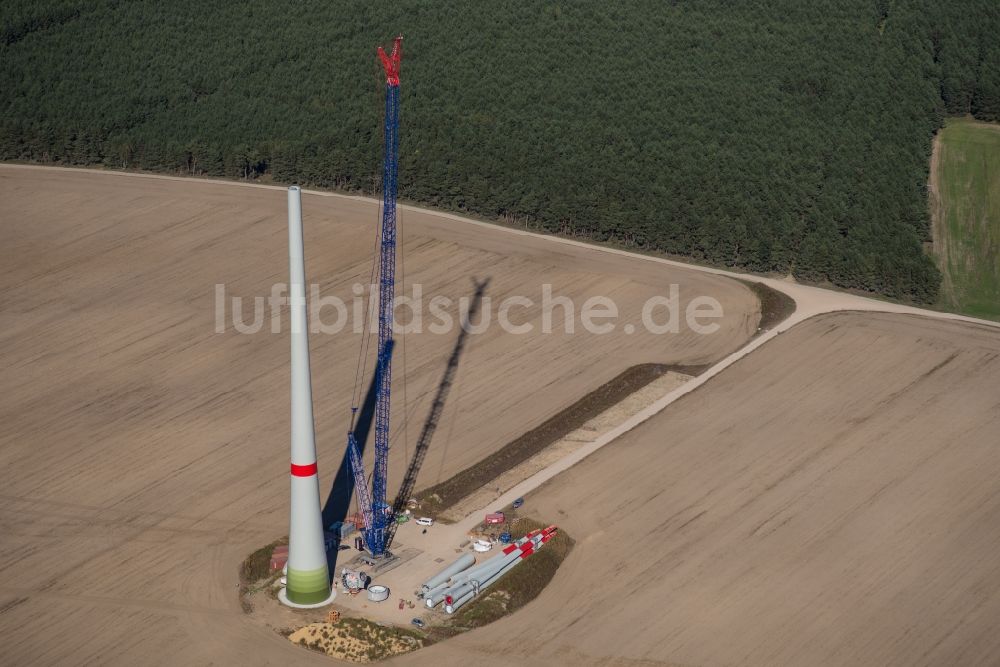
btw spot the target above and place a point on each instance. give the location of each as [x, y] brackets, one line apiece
[967, 219]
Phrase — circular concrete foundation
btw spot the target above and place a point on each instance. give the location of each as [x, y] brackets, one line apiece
[283, 597]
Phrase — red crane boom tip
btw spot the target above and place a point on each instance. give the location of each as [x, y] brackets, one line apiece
[390, 63]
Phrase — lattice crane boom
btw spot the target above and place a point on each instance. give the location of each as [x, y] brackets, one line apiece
[378, 513]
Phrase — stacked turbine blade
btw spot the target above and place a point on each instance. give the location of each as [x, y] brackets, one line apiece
[461, 563]
[458, 583]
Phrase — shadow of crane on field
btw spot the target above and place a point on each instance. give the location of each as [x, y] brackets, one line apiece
[437, 407]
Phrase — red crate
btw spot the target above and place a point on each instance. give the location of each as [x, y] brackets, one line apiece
[278, 561]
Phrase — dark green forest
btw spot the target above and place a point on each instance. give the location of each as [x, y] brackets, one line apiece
[777, 135]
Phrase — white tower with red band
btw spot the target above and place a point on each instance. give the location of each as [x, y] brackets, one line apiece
[308, 573]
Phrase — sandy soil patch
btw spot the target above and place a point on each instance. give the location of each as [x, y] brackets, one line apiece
[355, 641]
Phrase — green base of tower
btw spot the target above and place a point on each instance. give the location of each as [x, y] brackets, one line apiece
[308, 586]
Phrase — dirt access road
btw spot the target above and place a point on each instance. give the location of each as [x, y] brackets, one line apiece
[144, 455]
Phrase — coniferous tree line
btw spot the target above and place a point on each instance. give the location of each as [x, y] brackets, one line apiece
[780, 136]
